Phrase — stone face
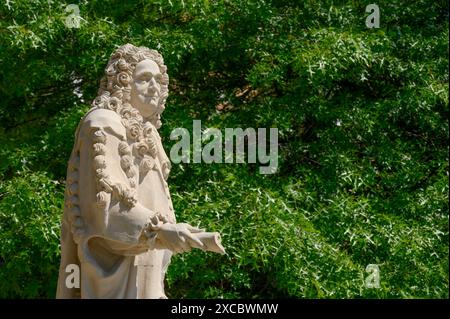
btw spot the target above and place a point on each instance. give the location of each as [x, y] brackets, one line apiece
[119, 226]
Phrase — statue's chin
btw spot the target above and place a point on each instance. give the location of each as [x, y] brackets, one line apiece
[147, 110]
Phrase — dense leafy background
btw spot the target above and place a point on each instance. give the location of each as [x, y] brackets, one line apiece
[363, 123]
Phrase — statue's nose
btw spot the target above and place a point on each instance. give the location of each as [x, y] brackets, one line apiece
[153, 82]
[153, 86]
[151, 89]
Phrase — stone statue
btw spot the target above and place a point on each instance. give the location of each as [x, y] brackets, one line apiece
[118, 224]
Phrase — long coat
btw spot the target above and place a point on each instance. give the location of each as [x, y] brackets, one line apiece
[116, 184]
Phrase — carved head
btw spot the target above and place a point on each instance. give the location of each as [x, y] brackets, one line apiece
[135, 82]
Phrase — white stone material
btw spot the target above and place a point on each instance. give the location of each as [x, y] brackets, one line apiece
[119, 225]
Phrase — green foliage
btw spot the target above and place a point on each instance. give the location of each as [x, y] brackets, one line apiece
[30, 210]
[363, 140]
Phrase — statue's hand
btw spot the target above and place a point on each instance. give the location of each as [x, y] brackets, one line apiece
[177, 237]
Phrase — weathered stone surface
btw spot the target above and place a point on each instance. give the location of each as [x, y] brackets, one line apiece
[119, 225]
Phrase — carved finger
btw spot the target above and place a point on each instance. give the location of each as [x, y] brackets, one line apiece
[190, 228]
[193, 229]
[194, 241]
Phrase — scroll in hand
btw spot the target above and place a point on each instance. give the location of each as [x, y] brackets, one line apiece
[183, 237]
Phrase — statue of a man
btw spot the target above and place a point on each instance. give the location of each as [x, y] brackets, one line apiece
[119, 225]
